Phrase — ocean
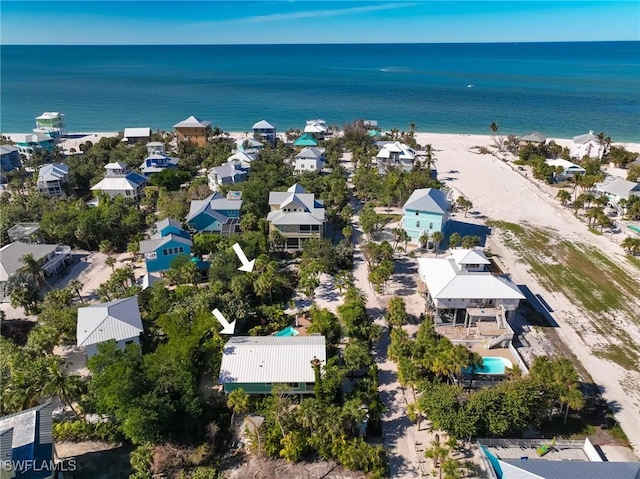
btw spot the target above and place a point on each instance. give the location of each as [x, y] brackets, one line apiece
[559, 89]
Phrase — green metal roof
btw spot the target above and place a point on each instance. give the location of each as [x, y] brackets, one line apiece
[306, 140]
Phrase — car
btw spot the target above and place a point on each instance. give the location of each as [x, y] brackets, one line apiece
[520, 168]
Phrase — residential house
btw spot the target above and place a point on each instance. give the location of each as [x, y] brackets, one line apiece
[251, 146]
[52, 124]
[317, 128]
[216, 214]
[265, 131]
[120, 180]
[117, 320]
[309, 159]
[533, 137]
[53, 258]
[227, 174]
[9, 158]
[256, 363]
[426, 211]
[193, 130]
[132, 136]
[156, 147]
[618, 189]
[52, 179]
[169, 241]
[26, 444]
[297, 215]
[25, 232]
[157, 162]
[29, 143]
[305, 140]
[569, 170]
[396, 154]
[457, 287]
[587, 145]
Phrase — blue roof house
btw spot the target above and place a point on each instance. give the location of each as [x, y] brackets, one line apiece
[9, 158]
[26, 443]
[216, 214]
[162, 247]
[157, 162]
[426, 211]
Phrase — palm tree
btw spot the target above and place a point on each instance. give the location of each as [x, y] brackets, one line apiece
[605, 142]
[631, 245]
[60, 385]
[437, 237]
[564, 196]
[76, 287]
[429, 158]
[111, 261]
[238, 402]
[454, 240]
[438, 453]
[33, 269]
[133, 247]
[424, 239]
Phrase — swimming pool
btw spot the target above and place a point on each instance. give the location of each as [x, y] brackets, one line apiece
[634, 228]
[492, 365]
[288, 331]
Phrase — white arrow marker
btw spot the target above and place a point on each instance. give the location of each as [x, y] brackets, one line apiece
[227, 328]
[246, 264]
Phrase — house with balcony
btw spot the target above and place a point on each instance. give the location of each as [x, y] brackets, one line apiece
[117, 321]
[297, 215]
[309, 159]
[120, 180]
[53, 259]
[52, 124]
[587, 145]
[395, 154]
[265, 131]
[131, 136]
[29, 143]
[9, 158]
[459, 290]
[250, 146]
[193, 130]
[256, 363]
[169, 241]
[26, 444]
[157, 162]
[216, 214]
[566, 169]
[227, 174]
[316, 128]
[617, 189]
[52, 180]
[426, 211]
[156, 147]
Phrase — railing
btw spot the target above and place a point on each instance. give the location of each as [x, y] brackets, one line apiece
[495, 341]
[531, 443]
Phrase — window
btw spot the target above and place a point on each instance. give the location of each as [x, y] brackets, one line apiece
[417, 224]
[126, 343]
[309, 386]
[293, 385]
[181, 249]
[127, 192]
[152, 255]
[417, 213]
[305, 228]
[165, 252]
[315, 227]
[430, 226]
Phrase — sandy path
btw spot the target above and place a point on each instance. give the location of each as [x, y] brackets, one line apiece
[500, 192]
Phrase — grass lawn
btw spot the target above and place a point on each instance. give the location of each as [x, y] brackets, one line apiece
[588, 278]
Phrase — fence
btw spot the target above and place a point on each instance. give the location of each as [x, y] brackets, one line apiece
[532, 443]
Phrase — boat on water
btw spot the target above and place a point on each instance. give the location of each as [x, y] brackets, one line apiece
[470, 85]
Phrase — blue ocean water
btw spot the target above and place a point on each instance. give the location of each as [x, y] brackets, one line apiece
[560, 89]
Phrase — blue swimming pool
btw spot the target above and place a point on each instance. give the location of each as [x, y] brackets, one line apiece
[288, 331]
[634, 228]
[492, 365]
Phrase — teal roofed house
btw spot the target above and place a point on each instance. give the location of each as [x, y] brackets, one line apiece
[306, 140]
[169, 241]
[31, 142]
[216, 214]
[426, 211]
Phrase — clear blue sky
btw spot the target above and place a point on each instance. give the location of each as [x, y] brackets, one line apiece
[241, 22]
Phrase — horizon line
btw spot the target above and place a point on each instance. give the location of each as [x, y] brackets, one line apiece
[307, 44]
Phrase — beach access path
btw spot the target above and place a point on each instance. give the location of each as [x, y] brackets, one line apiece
[501, 193]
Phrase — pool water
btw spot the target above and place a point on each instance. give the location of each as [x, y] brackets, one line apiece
[491, 365]
[288, 331]
[634, 228]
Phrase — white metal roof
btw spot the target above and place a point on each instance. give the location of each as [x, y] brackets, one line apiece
[192, 122]
[404, 152]
[52, 172]
[50, 115]
[312, 153]
[564, 164]
[270, 359]
[429, 200]
[585, 138]
[119, 320]
[445, 281]
[241, 156]
[263, 125]
[137, 132]
[469, 256]
[120, 183]
[147, 246]
[620, 187]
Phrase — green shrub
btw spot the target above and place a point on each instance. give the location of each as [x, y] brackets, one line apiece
[78, 431]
